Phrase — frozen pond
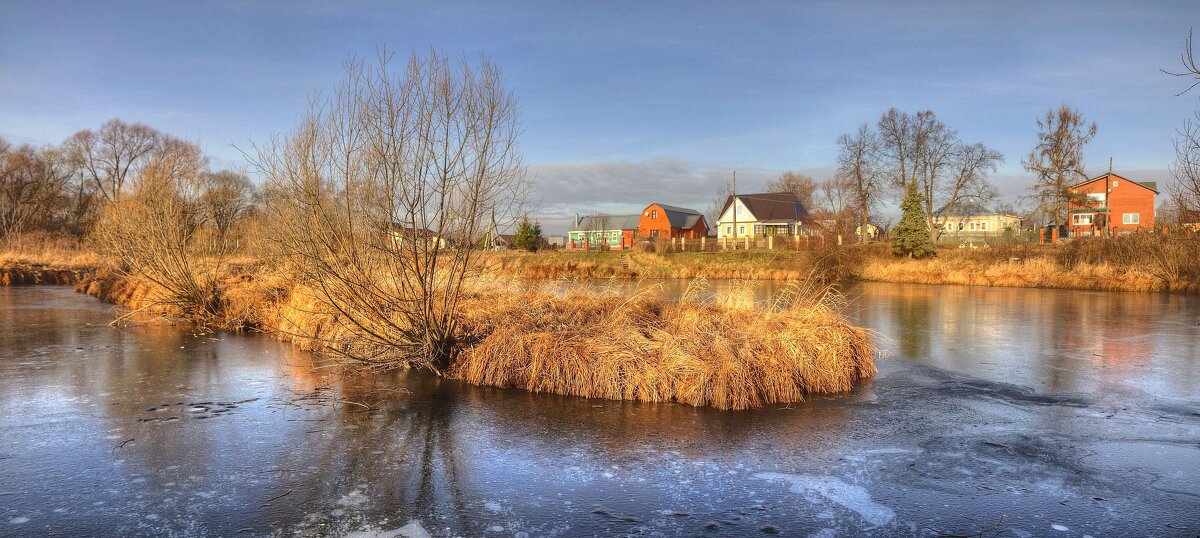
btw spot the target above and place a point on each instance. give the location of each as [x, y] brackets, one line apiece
[1027, 412]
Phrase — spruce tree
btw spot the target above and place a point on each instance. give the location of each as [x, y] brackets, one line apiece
[912, 236]
[527, 235]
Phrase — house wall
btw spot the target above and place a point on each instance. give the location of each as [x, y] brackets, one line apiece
[745, 220]
[1125, 197]
[977, 226]
[654, 219]
[597, 239]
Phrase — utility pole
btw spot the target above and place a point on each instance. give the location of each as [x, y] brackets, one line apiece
[734, 204]
[1108, 223]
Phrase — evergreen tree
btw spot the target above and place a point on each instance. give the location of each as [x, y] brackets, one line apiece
[528, 233]
[912, 236]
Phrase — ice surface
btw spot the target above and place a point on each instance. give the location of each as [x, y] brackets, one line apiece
[851, 497]
[412, 530]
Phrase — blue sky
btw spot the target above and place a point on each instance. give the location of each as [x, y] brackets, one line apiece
[623, 103]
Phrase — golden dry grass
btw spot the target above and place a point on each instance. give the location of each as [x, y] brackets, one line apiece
[1030, 273]
[732, 265]
[728, 352]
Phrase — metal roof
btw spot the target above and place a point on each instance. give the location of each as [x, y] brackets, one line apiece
[774, 206]
[680, 217]
[593, 223]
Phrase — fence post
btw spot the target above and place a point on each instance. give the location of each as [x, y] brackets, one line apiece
[747, 242]
[770, 242]
[702, 241]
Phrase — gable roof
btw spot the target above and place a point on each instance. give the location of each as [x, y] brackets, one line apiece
[965, 209]
[1152, 185]
[607, 222]
[771, 206]
[680, 217]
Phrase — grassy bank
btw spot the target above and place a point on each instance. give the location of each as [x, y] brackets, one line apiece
[1135, 263]
[734, 265]
[725, 354]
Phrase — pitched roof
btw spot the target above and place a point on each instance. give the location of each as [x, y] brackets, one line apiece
[680, 217]
[771, 206]
[1152, 185]
[965, 209]
[607, 222]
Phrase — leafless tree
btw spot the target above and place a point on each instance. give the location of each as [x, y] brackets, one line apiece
[33, 188]
[858, 165]
[1057, 159]
[381, 195]
[112, 157]
[803, 186]
[718, 202]
[157, 231]
[229, 197]
[1186, 168]
[1190, 70]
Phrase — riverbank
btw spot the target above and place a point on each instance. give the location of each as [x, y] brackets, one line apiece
[1136, 264]
[581, 342]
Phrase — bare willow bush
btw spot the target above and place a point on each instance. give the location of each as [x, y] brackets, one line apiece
[379, 199]
[160, 232]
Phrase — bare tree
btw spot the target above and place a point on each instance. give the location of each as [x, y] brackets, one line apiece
[229, 197]
[381, 195]
[1190, 70]
[156, 231]
[113, 157]
[718, 202]
[1057, 159]
[33, 188]
[803, 186]
[1186, 169]
[858, 166]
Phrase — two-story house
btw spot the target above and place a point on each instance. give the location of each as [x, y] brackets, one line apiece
[1111, 204]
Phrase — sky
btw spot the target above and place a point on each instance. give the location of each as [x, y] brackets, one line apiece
[624, 103]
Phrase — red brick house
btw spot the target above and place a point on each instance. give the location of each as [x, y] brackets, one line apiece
[666, 222]
[1111, 204]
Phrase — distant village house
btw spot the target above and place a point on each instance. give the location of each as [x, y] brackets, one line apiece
[661, 221]
[603, 232]
[1112, 205]
[763, 214]
[972, 220]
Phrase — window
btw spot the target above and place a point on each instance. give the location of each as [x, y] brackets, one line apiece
[654, 214]
[741, 229]
[1130, 218]
[983, 226]
[758, 229]
[728, 229]
[653, 233]
[1082, 219]
[961, 225]
[1114, 183]
[1095, 198]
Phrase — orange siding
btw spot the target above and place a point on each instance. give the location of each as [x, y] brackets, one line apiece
[1124, 198]
[654, 223]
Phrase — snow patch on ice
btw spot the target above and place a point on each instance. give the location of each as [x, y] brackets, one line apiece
[823, 533]
[353, 499]
[18, 520]
[492, 507]
[412, 530]
[1059, 528]
[853, 498]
